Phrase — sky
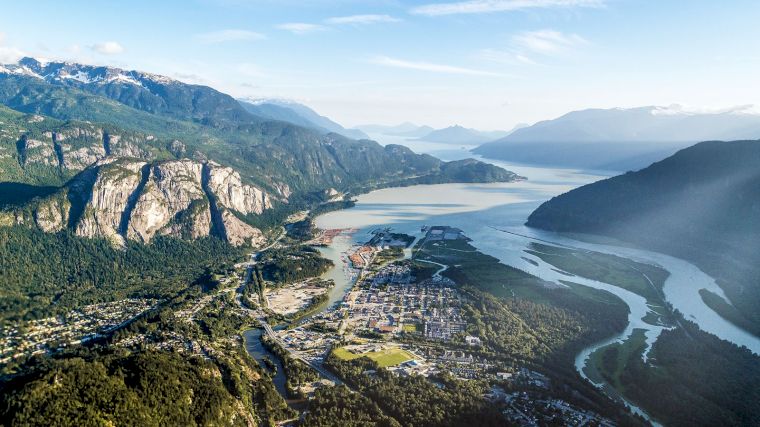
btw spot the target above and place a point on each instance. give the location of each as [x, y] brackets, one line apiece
[487, 64]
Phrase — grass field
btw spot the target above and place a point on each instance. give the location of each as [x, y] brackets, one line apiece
[411, 327]
[383, 358]
[610, 361]
[625, 273]
[471, 267]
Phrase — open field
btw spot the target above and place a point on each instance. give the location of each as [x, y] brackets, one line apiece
[610, 361]
[384, 358]
[643, 279]
[469, 266]
[411, 327]
[288, 300]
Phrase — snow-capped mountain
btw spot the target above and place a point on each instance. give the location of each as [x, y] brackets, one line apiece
[145, 91]
[53, 71]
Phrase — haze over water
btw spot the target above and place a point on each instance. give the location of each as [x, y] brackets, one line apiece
[480, 210]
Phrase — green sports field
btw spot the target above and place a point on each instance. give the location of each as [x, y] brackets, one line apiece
[384, 358]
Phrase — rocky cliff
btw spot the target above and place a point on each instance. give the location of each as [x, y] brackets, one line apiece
[231, 193]
[104, 214]
[121, 198]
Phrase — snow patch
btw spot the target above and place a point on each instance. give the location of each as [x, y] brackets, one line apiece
[83, 77]
[676, 109]
[123, 78]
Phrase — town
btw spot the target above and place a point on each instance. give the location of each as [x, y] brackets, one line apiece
[400, 310]
[53, 333]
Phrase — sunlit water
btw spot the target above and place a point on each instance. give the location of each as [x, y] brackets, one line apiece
[481, 210]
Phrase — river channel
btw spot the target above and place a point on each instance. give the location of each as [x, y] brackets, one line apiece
[485, 211]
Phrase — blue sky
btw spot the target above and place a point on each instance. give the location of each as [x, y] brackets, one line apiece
[484, 63]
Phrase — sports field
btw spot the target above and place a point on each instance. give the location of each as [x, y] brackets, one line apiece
[384, 358]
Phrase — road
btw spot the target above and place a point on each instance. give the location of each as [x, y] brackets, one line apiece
[261, 318]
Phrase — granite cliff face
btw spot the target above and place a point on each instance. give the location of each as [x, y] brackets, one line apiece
[104, 214]
[239, 233]
[122, 198]
[231, 193]
[172, 203]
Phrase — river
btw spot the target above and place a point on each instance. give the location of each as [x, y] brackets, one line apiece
[480, 210]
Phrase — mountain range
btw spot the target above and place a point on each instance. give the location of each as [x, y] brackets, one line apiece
[460, 135]
[297, 114]
[702, 204]
[404, 129]
[450, 135]
[619, 139]
[120, 154]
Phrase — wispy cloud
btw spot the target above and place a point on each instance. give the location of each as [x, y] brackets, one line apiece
[505, 56]
[231, 35]
[301, 27]
[526, 46]
[428, 66]
[361, 19]
[490, 6]
[107, 48]
[546, 41]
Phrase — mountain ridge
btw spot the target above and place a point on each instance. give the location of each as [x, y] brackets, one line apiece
[298, 114]
[619, 138]
[701, 204]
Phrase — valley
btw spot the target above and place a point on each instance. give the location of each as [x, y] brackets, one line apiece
[174, 253]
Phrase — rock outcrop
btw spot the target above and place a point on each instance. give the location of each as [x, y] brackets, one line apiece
[40, 151]
[239, 233]
[231, 193]
[74, 147]
[52, 214]
[172, 203]
[105, 210]
[125, 198]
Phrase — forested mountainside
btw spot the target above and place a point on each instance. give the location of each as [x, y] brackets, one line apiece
[124, 154]
[144, 91]
[701, 204]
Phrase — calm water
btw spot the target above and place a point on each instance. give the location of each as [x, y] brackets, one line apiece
[256, 349]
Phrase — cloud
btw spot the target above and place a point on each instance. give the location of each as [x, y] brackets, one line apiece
[301, 27]
[107, 48]
[9, 54]
[525, 46]
[505, 56]
[427, 66]
[361, 19]
[546, 41]
[490, 6]
[231, 35]
[677, 109]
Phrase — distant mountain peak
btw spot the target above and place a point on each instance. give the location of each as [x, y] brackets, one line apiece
[296, 113]
[622, 138]
[677, 109]
[52, 71]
